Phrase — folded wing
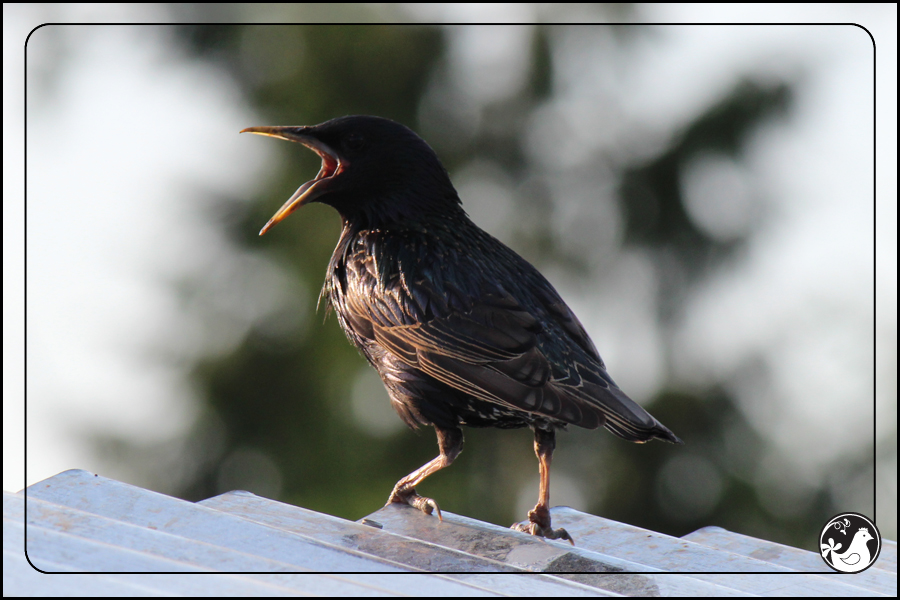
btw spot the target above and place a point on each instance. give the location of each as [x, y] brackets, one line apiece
[499, 351]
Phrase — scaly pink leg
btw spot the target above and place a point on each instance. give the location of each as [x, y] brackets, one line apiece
[539, 517]
[450, 443]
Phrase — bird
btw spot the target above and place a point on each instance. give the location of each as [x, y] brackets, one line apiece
[461, 329]
[854, 558]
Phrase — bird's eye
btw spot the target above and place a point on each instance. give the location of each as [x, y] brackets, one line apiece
[354, 141]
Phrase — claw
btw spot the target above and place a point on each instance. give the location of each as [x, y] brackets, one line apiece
[558, 534]
[525, 527]
[426, 505]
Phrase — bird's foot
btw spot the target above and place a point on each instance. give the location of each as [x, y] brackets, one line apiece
[538, 523]
[546, 532]
[409, 496]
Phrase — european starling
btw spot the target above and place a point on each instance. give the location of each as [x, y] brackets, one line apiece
[461, 329]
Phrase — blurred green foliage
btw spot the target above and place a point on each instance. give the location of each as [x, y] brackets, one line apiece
[288, 397]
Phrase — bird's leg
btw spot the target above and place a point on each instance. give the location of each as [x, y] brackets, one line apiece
[450, 443]
[539, 517]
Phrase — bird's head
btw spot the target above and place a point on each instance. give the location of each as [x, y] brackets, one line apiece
[372, 168]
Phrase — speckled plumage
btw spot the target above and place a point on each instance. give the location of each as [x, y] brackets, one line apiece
[462, 330]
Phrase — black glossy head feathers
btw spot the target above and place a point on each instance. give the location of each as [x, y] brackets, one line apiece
[373, 169]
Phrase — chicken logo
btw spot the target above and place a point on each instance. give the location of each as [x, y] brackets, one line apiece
[850, 543]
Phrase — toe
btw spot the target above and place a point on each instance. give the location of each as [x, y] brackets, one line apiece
[536, 529]
[426, 505]
[525, 527]
[558, 534]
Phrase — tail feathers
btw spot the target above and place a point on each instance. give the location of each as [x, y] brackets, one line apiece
[641, 435]
[627, 419]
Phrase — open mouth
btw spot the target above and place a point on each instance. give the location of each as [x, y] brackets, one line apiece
[309, 191]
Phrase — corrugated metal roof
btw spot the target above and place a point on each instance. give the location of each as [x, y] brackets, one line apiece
[248, 545]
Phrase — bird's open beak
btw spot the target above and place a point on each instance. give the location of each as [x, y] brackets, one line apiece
[309, 191]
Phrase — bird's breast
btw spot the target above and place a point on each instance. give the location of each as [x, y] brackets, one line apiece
[383, 278]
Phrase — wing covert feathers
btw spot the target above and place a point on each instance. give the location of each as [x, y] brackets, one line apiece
[532, 356]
